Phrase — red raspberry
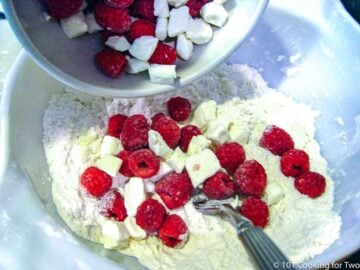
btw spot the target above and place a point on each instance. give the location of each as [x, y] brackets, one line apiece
[140, 28]
[119, 3]
[179, 108]
[175, 189]
[112, 63]
[173, 232]
[276, 140]
[61, 9]
[150, 215]
[145, 9]
[256, 210]
[112, 19]
[186, 134]
[219, 186]
[168, 129]
[250, 178]
[124, 169]
[112, 205]
[157, 117]
[96, 181]
[195, 7]
[231, 155]
[163, 55]
[311, 184]
[134, 134]
[115, 125]
[143, 163]
[294, 162]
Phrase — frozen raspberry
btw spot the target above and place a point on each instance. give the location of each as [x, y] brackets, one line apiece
[173, 232]
[61, 9]
[276, 140]
[195, 7]
[112, 205]
[256, 210]
[163, 55]
[250, 178]
[119, 3]
[311, 184]
[115, 125]
[179, 108]
[219, 186]
[140, 28]
[186, 134]
[231, 155]
[157, 117]
[96, 181]
[124, 169]
[134, 134]
[145, 9]
[143, 163]
[175, 189]
[168, 129]
[150, 215]
[294, 162]
[112, 19]
[112, 63]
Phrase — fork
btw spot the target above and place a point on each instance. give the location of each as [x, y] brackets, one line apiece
[264, 251]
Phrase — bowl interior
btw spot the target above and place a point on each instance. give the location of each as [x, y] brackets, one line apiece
[71, 61]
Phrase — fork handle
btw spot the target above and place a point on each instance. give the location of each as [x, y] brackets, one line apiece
[266, 254]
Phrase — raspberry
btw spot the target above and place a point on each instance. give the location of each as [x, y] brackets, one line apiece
[175, 189]
[61, 9]
[119, 3]
[134, 134]
[163, 55]
[311, 184]
[168, 129]
[112, 205]
[276, 140]
[112, 63]
[195, 7]
[143, 163]
[173, 232]
[186, 134]
[294, 162]
[140, 28]
[157, 117]
[95, 181]
[124, 169]
[115, 125]
[231, 155]
[145, 9]
[256, 210]
[219, 186]
[112, 19]
[179, 108]
[150, 215]
[250, 178]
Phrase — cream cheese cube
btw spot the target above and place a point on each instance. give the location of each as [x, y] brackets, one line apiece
[217, 132]
[135, 231]
[143, 47]
[109, 164]
[115, 235]
[197, 144]
[110, 146]
[184, 47]
[177, 160]
[199, 31]
[239, 133]
[162, 74]
[201, 166]
[92, 25]
[158, 145]
[220, 2]
[149, 186]
[273, 193]
[135, 66]
[134, 195]
[87, 137]
[161, 8]
[214, 14]
[118, 43]
[163, 170]
[177, 3]
[205, 113]
[74, 26]
[178, 21]
[161, 28]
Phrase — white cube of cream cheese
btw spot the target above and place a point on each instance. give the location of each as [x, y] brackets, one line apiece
[184, 47]
[118, 43]
[149, 186]
[199, 31]
[109, 164]
[201, 166]
[135, 66]
[161, 28]
[217, 132]
[158, 145]
[177, 160]
[134, 195]
[143, 47]
[162, 74]
[163, 170]
[273, 193]
[205, 113]
[177, 3]
[115, 234]
[239, 133]
[93, 26]
[220, 2]
[178, 21]
[74, 26]
[110, 146]
[214, 14]
[161, 8]
[197, 144]
[135, 231]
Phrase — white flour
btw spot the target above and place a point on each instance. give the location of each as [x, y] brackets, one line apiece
[301, 226]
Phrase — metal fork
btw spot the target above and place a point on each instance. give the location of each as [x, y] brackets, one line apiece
[264, 251]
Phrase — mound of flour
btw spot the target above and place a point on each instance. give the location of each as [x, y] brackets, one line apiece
[301, 226]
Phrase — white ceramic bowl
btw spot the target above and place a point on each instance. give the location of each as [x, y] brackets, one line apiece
[72, 61]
